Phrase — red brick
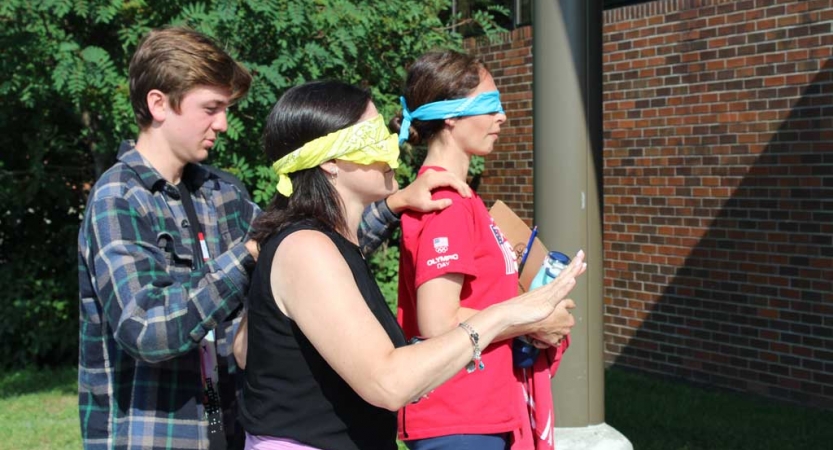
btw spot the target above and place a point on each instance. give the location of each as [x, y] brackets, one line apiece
[716, 131]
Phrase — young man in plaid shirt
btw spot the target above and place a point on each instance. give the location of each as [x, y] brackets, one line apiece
[150, 298]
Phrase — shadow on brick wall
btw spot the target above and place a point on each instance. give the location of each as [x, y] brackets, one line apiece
[752, 307]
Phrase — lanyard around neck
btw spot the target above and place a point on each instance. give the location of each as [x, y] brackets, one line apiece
[200, 254]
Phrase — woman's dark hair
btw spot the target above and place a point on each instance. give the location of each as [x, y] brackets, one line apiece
[302, 114]
[436, 76]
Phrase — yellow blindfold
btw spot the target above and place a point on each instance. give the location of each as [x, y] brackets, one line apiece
[363, 143]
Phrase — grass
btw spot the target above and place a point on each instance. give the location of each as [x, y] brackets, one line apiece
[38, 409]
[658, 414]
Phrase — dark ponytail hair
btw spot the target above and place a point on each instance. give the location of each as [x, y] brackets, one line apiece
[303, 114]
[436, 76]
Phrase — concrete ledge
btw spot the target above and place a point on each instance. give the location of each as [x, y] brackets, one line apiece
[594, 437]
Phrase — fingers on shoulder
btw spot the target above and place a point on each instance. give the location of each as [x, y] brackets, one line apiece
[435, 179]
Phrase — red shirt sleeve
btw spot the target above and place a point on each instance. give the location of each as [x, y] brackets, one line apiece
[446, 242]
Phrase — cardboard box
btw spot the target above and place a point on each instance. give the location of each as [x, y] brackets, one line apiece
[517, 232]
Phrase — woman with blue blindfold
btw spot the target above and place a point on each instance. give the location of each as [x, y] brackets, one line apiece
[457, 262]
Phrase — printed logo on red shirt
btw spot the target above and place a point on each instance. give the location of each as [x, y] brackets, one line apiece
[441, 244]
[442, 261]
[509, 257]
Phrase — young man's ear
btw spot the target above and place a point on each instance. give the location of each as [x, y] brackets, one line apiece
[157, 105]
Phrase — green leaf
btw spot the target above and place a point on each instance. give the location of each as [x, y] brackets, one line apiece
[235, 127]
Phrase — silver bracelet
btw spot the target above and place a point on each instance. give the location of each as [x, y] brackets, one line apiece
[476, 356]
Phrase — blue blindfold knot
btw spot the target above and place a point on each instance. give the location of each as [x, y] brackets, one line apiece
[485, 103]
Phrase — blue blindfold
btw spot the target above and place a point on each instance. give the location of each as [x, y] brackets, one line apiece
[485, 103]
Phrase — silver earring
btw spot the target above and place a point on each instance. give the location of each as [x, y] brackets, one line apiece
[333, 175]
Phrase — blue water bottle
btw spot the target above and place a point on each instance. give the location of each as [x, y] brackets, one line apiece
[554, 263]
[523, 352]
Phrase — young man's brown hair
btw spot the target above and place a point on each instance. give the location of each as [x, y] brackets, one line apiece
[175, 60]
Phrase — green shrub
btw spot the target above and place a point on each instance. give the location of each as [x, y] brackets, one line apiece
[64, 109]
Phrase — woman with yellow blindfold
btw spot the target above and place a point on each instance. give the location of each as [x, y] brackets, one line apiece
[327, 364]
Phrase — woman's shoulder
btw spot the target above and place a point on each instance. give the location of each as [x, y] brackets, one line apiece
[303, 230]
[310, 238]
[299, 232]
[306, 248]
[453, 195]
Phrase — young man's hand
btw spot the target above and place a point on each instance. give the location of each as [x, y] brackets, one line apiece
[253, 248]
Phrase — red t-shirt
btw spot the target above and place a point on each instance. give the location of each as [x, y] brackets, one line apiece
[460, 239]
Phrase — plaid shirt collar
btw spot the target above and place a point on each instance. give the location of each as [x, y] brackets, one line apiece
[193, 175]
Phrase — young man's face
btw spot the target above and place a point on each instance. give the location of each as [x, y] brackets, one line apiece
[202, 116]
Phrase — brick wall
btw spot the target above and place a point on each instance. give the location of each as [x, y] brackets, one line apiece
[507, 173]
[719, 193]
[718, 174]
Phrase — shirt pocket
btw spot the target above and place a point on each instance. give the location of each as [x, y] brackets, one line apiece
[178, 257]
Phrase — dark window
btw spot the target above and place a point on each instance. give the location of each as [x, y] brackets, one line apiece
[519, 14]
[608, 4]
[523, 12]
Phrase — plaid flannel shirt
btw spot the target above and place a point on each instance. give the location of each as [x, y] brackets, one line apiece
[143, 310]
[377, 225]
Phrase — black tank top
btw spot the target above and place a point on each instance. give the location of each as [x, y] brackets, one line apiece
[290, 391]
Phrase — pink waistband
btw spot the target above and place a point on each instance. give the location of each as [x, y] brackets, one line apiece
[273, 443]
